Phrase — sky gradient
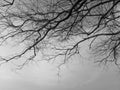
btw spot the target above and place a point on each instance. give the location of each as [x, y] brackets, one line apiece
[76, 75]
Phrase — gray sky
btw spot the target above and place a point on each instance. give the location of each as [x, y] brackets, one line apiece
[43, 76]
[78, 75]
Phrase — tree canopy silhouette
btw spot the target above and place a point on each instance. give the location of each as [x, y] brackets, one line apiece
[61, 26]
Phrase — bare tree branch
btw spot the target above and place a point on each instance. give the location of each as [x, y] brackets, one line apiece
[63, 21]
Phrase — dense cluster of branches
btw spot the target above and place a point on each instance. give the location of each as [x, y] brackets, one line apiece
[62, 25]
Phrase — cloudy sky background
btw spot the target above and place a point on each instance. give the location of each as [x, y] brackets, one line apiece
[77, 75]
[80, 74]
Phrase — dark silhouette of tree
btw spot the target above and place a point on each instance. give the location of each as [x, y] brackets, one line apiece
[61, 26]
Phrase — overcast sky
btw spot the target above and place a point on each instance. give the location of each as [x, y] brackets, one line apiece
[78, 75]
